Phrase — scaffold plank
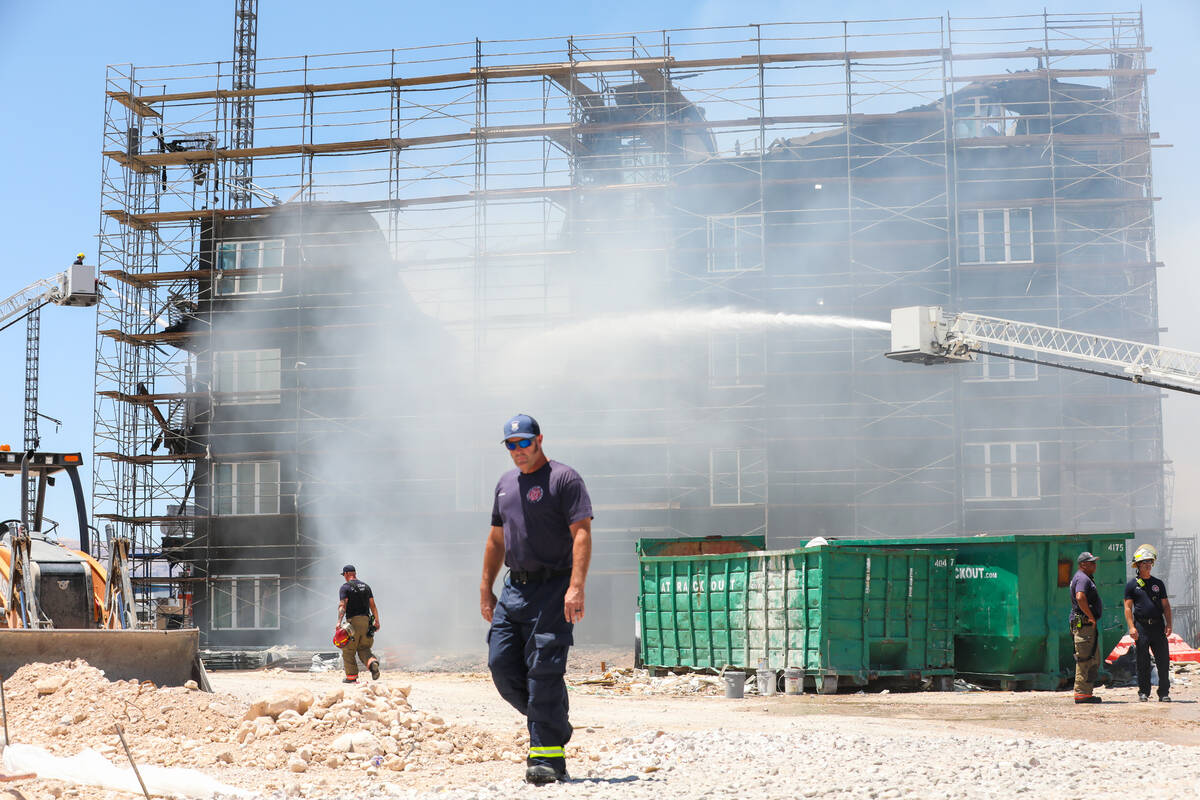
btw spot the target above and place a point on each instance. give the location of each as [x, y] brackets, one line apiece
[152, 519]
[148, 338]
[133, 104]
[1042, 139]
[543, 69]
[1060, 202]
[151, 459]
[144, 279]
[129, 220]
[308, 88]
[147, 221]
[1088, 266]
[130, 162]
[1051, 53]
[1050, 74]
[151, 399]
[171, 337]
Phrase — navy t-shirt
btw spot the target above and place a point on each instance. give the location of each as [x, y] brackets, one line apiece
[1082, 583]
[357, 596]
[536, 511]
[1147, 597]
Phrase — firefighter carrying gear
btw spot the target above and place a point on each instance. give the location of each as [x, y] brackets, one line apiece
[359, 647]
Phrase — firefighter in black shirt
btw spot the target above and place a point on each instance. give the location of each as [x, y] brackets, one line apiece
[356, 605]
[1148, 615]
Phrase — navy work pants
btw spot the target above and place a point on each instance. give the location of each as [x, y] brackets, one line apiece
[1152, 638]
[527, 654]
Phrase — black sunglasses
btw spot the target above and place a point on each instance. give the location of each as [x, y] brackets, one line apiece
[522, 443]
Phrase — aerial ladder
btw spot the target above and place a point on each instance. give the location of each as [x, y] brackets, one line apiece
[929, 335]
[75, 286]
[57, 603]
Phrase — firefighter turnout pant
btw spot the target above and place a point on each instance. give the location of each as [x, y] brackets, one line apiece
[527, 655]
[1087, 657]
[1152, 638]
[359, 646]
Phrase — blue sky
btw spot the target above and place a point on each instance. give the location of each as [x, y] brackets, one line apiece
[53, 56]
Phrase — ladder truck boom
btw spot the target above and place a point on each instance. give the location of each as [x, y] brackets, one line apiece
[75, 286]
[929, 335]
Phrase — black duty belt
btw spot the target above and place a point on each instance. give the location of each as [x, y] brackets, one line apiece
[1150, 621]
[536, 575]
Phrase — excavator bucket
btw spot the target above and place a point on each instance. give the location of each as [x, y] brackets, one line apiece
[165, 658]
[58, 604]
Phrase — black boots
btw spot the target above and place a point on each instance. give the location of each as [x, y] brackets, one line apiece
[540, 773]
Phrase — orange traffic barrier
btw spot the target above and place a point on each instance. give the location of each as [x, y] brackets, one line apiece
[1179, 649]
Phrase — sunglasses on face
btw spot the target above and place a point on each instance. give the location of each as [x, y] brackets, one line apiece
[521, 443]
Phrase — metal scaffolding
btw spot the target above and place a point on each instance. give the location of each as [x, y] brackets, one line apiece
[839, 167]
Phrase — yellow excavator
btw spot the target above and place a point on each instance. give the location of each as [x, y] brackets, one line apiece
[58, 603]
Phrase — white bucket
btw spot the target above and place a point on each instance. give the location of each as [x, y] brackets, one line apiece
[735, 684]
[793, 681]
[767, 681]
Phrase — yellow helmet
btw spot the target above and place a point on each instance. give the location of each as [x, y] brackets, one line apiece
[1145, 552]
[80, 255]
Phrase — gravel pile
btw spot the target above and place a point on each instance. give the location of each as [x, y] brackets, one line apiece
[713, 765]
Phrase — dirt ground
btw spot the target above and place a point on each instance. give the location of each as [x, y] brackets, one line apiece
[999, 712]
[450, 729]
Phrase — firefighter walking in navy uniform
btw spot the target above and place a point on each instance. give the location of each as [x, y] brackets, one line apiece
[356, 605]
[542, 531]
[1148, 615]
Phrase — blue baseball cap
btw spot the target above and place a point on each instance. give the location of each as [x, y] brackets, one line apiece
[521, 426]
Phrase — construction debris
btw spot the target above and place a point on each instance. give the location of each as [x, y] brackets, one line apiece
[639, 682]
[70, 707]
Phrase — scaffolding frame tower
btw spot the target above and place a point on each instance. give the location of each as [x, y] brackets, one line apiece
[495, 169]
[1180, 573]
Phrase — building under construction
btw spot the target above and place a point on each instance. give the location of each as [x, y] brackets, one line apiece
[332, 277]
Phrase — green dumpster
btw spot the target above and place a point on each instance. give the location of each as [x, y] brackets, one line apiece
[675, 546]
[842, 615]
[1013, 602]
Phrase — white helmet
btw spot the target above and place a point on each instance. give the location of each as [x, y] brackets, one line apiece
[1145, 552]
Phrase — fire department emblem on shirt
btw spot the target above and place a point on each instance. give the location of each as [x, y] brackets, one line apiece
[534, 494]
[1154, 588]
